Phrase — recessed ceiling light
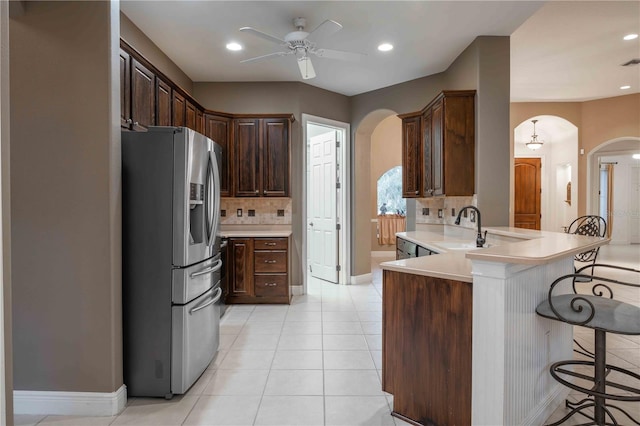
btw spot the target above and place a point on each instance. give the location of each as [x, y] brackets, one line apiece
[385, 47]
[625, 87]
[630, 37]
[234, 46]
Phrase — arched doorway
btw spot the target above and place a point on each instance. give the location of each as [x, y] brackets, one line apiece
[363, 198]
[558, 158]
[613, 187]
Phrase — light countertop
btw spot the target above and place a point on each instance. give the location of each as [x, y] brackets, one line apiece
[257, 231]
[507, 245]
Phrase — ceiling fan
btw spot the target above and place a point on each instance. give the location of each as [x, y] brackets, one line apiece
[302, 44]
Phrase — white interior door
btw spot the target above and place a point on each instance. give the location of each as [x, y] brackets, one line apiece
[322, 223]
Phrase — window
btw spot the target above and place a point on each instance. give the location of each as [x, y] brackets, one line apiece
[390, 199]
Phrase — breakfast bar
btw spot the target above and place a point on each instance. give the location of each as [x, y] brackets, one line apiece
[461, 341]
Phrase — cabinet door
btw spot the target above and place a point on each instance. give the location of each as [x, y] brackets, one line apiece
[247, 158]
[163, 103]
[427, 173]
[275, 157]
[191, 116]
[411, 158]
[199, 121]
[436, 148]
[125, 89]
[179, 105]
[142, 96]
[240, 267]
[218, 129]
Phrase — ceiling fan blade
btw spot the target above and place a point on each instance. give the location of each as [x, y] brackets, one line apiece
[339, 54]
[260, 34]
[323, 30]
[306, 68]
[257, 58]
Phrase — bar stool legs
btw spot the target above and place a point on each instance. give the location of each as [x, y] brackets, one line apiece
[598, 395]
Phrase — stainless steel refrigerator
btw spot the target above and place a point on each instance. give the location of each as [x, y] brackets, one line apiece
[171, 258]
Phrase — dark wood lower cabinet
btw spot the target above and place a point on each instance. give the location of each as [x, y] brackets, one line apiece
[426, 352]
[258, 270]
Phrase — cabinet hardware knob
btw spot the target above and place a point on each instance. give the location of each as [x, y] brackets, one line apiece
[264, 192]
[270, 261]
[129, 121]
[416, 192]
[257, 191]
[135, 123]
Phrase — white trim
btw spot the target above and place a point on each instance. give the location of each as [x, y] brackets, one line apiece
[543, 411]
[361, 279]
[297, 290]
[383, 253]
[70, 403]
[344, 252]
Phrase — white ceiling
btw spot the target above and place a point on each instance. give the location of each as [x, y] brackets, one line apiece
[564, 50]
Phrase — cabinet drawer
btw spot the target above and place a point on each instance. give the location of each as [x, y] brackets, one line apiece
[270, 261]
[270, 244]
[271, 285]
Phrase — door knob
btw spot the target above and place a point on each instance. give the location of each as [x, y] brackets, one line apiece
[310, 223]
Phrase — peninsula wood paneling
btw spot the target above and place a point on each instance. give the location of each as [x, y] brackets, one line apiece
[426, 354]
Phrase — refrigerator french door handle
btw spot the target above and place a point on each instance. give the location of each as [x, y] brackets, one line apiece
[209, 303]
[207, 201]
[211, 270]
[216, 196]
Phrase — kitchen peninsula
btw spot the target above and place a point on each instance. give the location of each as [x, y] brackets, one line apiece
[461, 341]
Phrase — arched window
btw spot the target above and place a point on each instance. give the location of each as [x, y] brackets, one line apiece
[390, 199]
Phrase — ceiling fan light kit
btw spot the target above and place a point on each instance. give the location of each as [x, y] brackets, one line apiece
[302, 44]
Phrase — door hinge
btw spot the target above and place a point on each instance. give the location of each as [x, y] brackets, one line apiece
[337, 185]
[337, 144]
[338, 226]
[338, 268]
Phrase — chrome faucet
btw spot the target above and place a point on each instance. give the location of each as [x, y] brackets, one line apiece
[480, 239]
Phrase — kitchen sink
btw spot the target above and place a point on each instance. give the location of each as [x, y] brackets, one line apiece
[460, 245]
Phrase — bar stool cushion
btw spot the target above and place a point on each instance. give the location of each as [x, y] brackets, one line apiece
[610, 315]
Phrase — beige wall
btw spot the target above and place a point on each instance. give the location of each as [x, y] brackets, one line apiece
[279, 97]
[598, 121]
[136, 38]
[483, 66]
[6, 349]
[65, 197]
[386, 153]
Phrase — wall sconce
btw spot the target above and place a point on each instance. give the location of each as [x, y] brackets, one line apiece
[534, 143]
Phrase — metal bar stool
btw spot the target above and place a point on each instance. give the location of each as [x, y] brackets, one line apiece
[591, 226]
[594, 307]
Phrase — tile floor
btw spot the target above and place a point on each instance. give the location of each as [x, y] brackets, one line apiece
[315, 362]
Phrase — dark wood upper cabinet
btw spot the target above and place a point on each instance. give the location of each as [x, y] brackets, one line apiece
[191, 116]
[199, 121]
[437, 183]
[442, 144]
[275, 154]
[163, 103]
[426, 153]
[247, 157]
[261, 152]
[179, 109]
[125, 89]
[142, 96]
[411, 156]
[218, 129]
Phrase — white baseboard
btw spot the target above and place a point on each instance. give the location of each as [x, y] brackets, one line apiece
[297, 290]
[70, 403]
[361, 279]
[546, 408]
[383, 253]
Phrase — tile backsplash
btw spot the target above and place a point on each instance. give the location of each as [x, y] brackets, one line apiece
[443, 210]
[256, 211]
